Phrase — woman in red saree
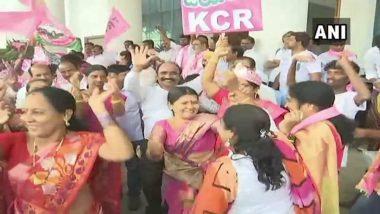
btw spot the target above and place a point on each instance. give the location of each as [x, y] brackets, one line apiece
[184, 158]
[56, 167]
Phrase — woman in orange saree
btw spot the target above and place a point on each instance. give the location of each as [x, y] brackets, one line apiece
[57, 167]
[319, 133]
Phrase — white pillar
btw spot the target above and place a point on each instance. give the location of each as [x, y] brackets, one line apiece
[57, 9]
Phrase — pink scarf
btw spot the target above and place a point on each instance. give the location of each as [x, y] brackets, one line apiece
[351, 56]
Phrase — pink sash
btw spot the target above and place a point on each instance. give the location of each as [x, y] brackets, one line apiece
[320, 116]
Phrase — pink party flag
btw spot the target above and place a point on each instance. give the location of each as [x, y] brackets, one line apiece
[116, 26]
[23, 23]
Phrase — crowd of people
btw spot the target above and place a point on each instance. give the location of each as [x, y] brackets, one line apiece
[200, 128]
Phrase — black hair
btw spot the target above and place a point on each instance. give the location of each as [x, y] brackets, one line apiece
[334, 65]
[32, 81]
[89, 43]
[61, 101]
[73, 59]
[251, 61]
[250, 39]
[302, 37]
[149, 42]
[93, 68]
[126, 54]
[322, 95]
[98, 46]
[130, 41]
[179, 91]
[203, 39]
[117, 69]
[238, 50]
[51, 67]
[79, 54]
[287, 34]
[248, 122]
[182, 36]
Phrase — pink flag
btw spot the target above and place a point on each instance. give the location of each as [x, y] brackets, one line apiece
[115, 27]
[23, 23]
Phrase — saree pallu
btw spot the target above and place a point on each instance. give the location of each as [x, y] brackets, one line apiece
[305, 196]
[59, 175]
[320, 147]
[185, 162]
[371, 180]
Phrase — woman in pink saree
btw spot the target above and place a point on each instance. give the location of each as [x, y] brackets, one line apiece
[184, 159]
[239, 86]
[57, 167]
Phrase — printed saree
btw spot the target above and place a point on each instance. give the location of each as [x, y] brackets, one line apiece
[371, 180]
[184, 162]
[59, 175]
[221, 184]
[320, 147]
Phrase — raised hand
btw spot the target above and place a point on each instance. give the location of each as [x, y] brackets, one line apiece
[290, 120]
[221, 46]
[97, 99]
[140, 60]
[343, 61]
[304, 56]
[75, 79]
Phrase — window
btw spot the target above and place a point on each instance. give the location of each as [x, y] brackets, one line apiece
[161, 12]
[321, 9]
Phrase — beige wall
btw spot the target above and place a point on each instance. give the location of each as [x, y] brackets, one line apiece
[280, 16]
[362, 14]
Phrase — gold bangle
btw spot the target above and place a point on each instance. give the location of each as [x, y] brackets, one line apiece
[79, 101]
[116, 102]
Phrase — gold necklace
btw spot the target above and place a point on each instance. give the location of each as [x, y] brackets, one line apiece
[35, 149]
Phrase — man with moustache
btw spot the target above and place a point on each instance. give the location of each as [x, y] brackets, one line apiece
[154, 107]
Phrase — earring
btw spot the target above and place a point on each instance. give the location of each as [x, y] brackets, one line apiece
[228, 143]
[67, 123]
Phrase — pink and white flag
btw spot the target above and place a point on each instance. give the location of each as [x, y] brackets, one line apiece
[116, 26]
[203, 17]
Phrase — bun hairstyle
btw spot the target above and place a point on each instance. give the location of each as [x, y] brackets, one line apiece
[251, 126]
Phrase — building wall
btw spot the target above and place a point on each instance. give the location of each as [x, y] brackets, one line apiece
[89, 18]
[278, 18]
[362, 14]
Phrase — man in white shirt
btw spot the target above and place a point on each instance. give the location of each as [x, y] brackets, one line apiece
[170, 49]
[69, 65]
[130, 122]
[37, 71]
[154, 106]
[341, 73]
[372, 63]
[248, 44]
[334, 53]
[303, 65]
[99, 58]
